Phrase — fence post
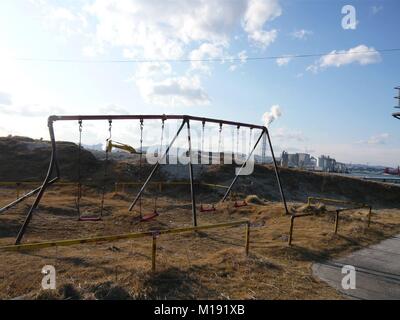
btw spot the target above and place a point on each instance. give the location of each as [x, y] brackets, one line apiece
[369, 216]
[153, 253]
[17, 189]
[337, 221]
[247, 230]
[291, 230]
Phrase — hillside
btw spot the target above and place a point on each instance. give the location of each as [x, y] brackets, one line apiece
[25, 159]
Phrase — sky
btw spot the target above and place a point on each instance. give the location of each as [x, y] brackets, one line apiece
[87, 57]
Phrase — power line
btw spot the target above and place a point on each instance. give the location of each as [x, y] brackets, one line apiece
[222, 59]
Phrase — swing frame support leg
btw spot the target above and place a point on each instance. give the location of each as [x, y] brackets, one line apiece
[47, 181]
[241, 168]
[283, 198]
[192, 192]
[278, 178]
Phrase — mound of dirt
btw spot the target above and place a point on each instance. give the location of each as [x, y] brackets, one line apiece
[253, 199]
[299, 184]
[65, 292]
[309, 208]
[110, 291]
[26, 159]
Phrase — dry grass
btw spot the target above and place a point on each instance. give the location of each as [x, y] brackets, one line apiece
[209, 265]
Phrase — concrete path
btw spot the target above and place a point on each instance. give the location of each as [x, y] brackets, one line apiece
[377, 271]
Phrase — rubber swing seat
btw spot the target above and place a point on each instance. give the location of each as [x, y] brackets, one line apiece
[238, 204]
[89, 218]
[149, 216]
[203, 209]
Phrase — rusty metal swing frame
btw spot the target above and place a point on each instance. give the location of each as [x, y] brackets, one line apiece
[53, 172]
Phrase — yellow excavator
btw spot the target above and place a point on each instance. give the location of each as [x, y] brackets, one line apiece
[122, 146]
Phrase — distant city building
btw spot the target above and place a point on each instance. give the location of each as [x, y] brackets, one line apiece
[308, 162]
[326, 163]
[285, 159]
[297, 160]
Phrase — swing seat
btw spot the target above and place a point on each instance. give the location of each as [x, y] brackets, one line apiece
[89, 218]
[240, 204]
[149, 216]
[204, 209]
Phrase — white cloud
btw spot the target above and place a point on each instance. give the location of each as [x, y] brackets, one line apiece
[152, 30]
[5, 99]
[376, 9]
[233, 67]
[173, 91]
[205, 51]
[242, 56]
[153, 69]
[283, 61]
[113, 109]
[64, 20]
[158, 84]
[163, 31]
[361, 54]
[301, 34]
[376, 139]
[34, 110]
[257, 14]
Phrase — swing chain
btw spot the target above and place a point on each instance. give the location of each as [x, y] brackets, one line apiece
[250, 139]
[140, 164]
[79, 186]
[105, 170]
[203, 124]
[219, 139]
[237, 141]
[162, 138]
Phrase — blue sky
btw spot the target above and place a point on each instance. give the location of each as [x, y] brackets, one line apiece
[338, 105]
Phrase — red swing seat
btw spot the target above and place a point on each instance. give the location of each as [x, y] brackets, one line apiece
[89, 218]
[240, 204]
[149, 216]
[204, 209]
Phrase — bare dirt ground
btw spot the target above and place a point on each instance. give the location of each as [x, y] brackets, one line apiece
[196, 265]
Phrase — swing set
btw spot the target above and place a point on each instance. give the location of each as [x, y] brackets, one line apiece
[53, 172]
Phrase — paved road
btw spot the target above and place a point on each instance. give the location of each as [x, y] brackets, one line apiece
[377, 271]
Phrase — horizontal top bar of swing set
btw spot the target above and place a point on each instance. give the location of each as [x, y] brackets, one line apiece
[64, 243]
[153, 117]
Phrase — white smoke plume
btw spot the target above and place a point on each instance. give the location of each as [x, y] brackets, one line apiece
[269, 116]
